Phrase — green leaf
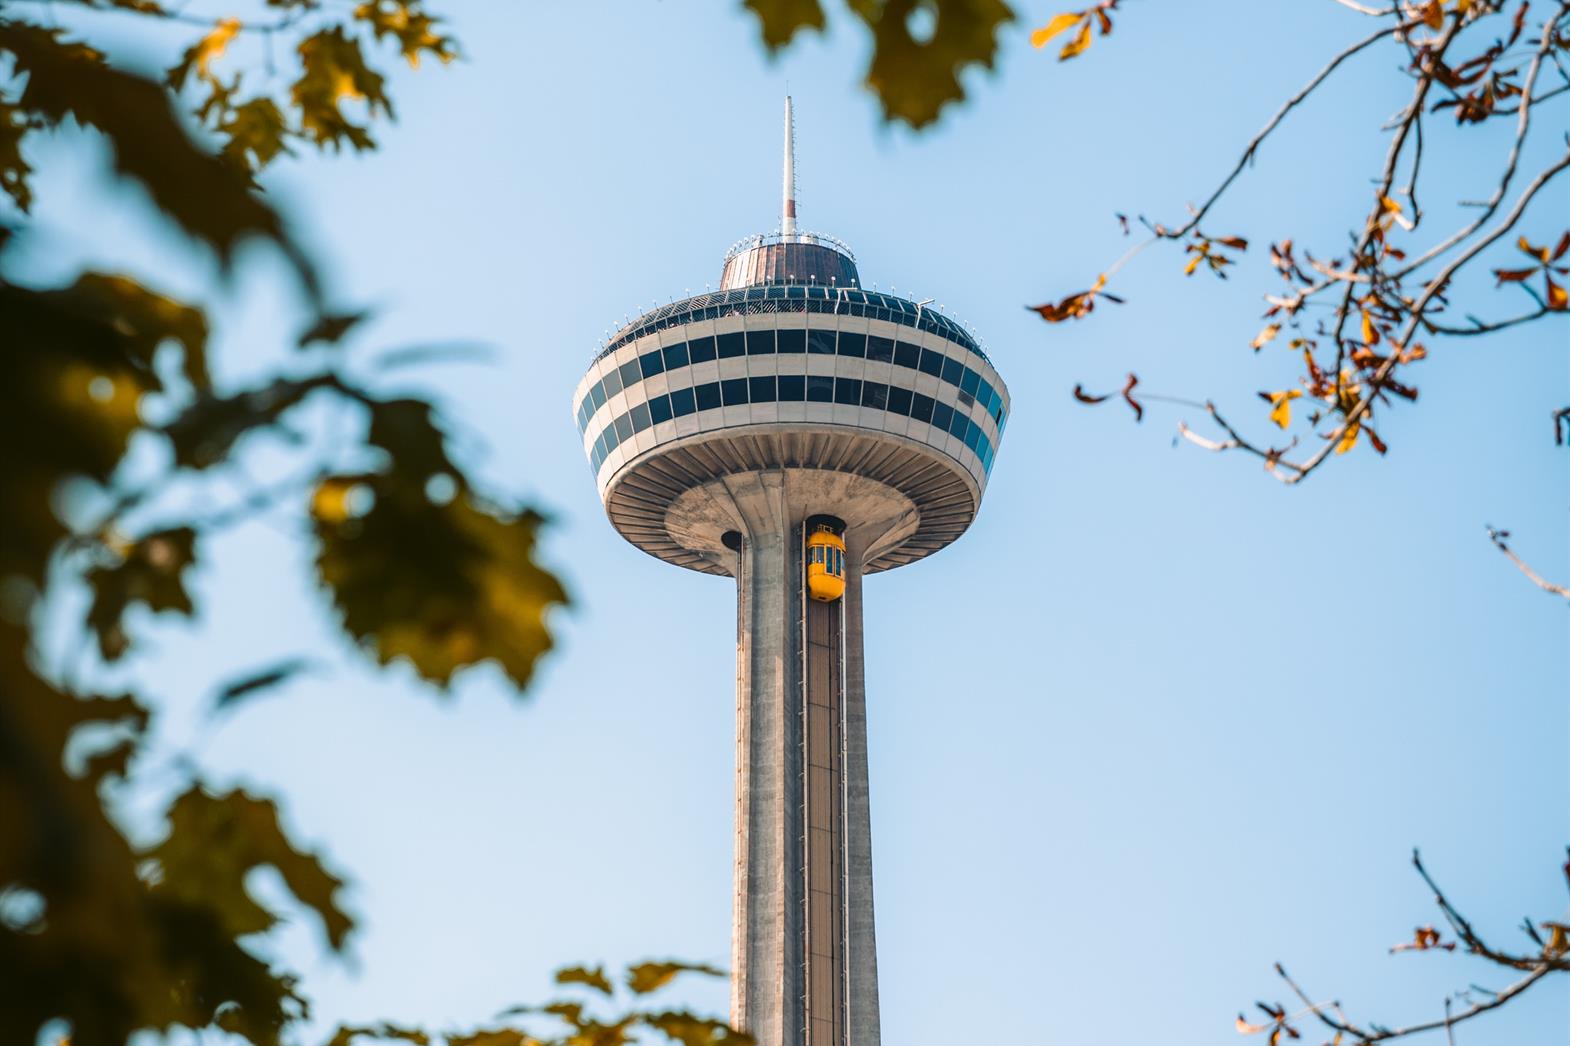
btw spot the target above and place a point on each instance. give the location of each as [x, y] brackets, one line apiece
[213, 844]
[407, 22]
[256, 133]
[781, 20]
[593, 976]
[150, 572]
[652, 976]
[690, 1030]
[147, 319]
[346, 1034]
[202, 193]
[14, 169]
[914, 79]
[333, 71]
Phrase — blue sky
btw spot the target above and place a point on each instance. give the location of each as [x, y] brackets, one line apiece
[1154, 723]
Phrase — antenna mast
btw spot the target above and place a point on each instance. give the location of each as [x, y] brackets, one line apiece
[788, 212]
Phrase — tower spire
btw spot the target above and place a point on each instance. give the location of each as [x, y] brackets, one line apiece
[788, 210]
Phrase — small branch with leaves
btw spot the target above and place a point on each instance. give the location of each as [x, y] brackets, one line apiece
[1549, 955]
[1388, 296]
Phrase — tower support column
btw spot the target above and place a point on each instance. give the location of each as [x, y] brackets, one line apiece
[804, 967]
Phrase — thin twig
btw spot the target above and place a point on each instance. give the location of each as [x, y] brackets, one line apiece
[1498, 538]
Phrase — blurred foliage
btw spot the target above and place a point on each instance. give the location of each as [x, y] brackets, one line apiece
[1398, 289]
[100, 928]
[921, 49]
[606, 1017]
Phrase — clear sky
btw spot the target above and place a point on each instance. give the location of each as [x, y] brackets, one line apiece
[1154, 723]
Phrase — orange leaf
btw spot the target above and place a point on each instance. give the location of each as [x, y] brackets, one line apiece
[1370, 332]
[1281, 402]
[1513, 275]
[1078, 45]
[1058, 24]
[1266, 336]
[1348, 438]
[1245, 1028]
[1558, 300]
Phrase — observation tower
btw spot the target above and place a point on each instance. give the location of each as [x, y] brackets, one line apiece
[797, 432]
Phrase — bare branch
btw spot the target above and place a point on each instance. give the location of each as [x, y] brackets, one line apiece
[1523, 123]
[1498, 537]
[1275, 121]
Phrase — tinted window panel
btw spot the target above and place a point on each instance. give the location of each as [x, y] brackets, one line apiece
[880, 349]
[597, 395]
[942, 414]
[660, 409]
[853, 344]
[793, 341]
[958, 426]
[640, 417]
[921, 407]
[820, 388]
[906, 354]
[612, 439]
[651, 363]
[965, 398]
[973, 438]
[731, 345]
[701, 350]
[676, 355]
[874, 394]
[984, 395]
[970, 382]
[612, 383]
[952, 371]
[733, 391]
[847, 391]
[793, 387]
[761, 389]
[624, 428]
[683, 403]
[821, 342]
[708, 395]
[629, 374]
[899, 400]
[760, 343]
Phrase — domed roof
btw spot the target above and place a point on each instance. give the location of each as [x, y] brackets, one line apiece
[800, 258]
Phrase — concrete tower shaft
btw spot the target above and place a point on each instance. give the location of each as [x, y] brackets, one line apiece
[718, 429]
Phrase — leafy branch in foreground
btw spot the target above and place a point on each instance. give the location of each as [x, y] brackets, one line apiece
[1395, 290]
[1549, 955]
[115, 441]
[572, 1021]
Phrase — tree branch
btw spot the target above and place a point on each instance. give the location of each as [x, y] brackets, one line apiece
[1498, 537]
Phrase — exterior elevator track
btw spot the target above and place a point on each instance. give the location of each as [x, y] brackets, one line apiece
[825, 986]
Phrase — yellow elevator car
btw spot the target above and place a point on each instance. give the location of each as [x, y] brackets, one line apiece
[825, 564]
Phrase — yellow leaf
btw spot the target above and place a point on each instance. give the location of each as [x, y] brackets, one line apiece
[1348, 438]
[1370, 332]
[1077, 45]
[1058, 24]
[1193, 263]
[1433, 15]
[1558, 299]
[1281, 413]
[212, 46]
[1558, 939]
[1265, 336]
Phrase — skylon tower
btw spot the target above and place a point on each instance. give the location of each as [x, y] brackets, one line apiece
[797, 432]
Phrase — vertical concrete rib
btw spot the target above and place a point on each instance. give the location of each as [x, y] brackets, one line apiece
[861, 960]
[767, 987]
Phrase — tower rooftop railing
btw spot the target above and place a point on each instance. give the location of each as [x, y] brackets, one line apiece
[793, 296]
[770, 239]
